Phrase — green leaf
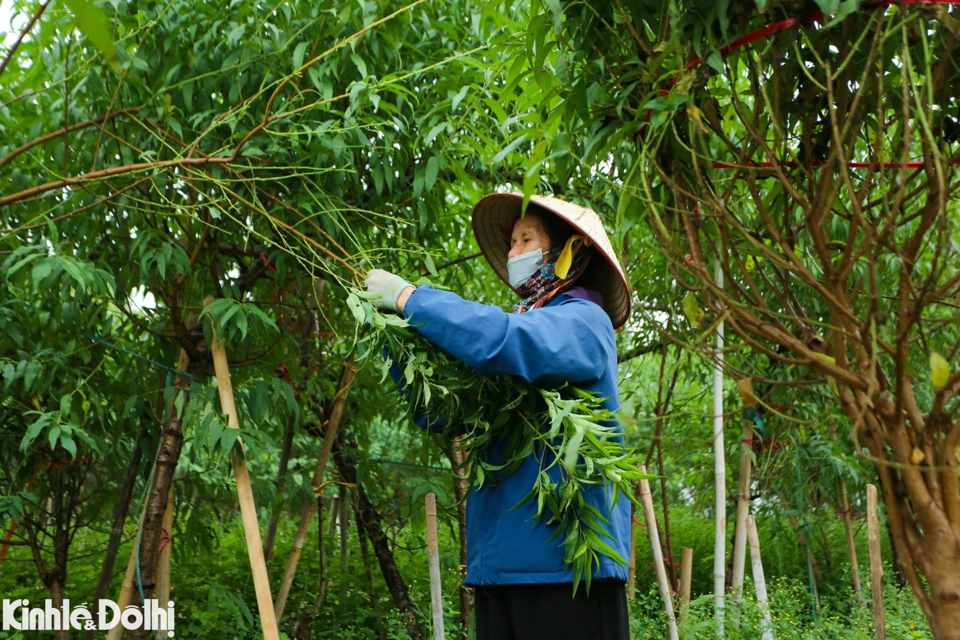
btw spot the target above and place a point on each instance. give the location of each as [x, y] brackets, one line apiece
[354, 303]
[298, 53]
[92, 22]
[433, 168]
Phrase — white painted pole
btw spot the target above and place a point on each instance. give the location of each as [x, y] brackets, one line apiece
[759, 582]
[720, 476]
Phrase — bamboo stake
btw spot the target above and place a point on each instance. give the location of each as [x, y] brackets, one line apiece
[433, 555]
[163, 561]
[851, 544]
[743, 498]
[248, 509]
[686, 571]
[720, 475]
[759, 582]
[876, 566]
[665, 591]
[306, 515]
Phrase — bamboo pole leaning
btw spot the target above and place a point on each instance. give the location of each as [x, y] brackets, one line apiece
[665, 591]
[333, 424]
[306, 515]
[433, 556]
[126, 587]
[759, 582]
[248, 509]
[876, 564]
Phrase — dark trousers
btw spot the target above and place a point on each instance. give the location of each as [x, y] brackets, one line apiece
[547, 612]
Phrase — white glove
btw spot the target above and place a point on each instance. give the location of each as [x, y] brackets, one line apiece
[387, 284]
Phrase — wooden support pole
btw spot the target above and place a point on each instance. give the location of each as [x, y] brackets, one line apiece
[686, 573]
[876, 564]
[248, 509]
[306, 515]
[166, 553]
[759, 582]
[433, 555]
[665, 591]
[851, 544]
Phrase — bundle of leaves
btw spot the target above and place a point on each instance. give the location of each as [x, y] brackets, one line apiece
[574, 439]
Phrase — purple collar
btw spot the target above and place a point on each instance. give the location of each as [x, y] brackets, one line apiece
[585, 294]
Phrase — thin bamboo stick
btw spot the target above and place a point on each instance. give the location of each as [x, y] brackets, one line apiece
[851, 544]
[632, 569]
[336, 413]
[126, 588]
[306, 515]
[720, 475]
[344, 530]
[248, 509]
[743, 496]
[876, 565]
[665, 591]
[365, 556]
[433, 555]
[686, 572]
[163, 561]
[759, 582]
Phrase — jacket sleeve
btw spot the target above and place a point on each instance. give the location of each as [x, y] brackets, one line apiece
[568, 342]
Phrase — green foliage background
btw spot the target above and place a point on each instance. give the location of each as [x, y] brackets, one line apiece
[245, 152]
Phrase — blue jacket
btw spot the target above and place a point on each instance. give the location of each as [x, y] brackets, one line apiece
[570, 339]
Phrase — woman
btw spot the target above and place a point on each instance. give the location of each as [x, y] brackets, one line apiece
[559, 260]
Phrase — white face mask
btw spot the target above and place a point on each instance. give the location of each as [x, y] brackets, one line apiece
[522, 267]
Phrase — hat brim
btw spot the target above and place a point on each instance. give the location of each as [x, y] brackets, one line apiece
[493, 218]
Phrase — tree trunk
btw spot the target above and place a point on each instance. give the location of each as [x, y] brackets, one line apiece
[171, 442]
[285, 451]
[120, 516]
[370, 522]
[455, 456]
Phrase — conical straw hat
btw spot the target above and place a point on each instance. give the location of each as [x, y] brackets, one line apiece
[493, 219]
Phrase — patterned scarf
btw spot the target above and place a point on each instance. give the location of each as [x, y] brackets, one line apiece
[543, 286]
